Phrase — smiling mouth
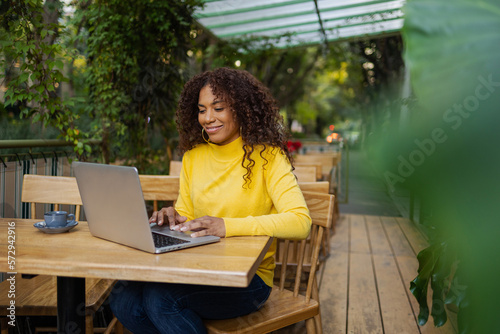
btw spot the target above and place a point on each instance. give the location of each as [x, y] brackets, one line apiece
[213, 129]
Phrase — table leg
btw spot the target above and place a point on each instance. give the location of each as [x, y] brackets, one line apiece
[70, 305]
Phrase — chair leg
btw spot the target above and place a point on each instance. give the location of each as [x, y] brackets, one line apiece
[114, 327]
[119, 329]
[89, 324]
[318, 325]
[5, 326]
[310, 326]
[326, 243]
[317, 318]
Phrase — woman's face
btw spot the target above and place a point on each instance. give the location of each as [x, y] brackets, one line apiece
[217, 118]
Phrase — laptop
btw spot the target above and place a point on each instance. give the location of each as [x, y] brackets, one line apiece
[116, 211]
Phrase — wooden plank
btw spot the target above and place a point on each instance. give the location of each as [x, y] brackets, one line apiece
[418, 242]
[334, 281]
[378, 239]
[365, 307]
[397, 239]
[333, 293]
[408, 266]
[359, 235]
[397, 313]
[340, 240]
[363, 311]
[413, 234]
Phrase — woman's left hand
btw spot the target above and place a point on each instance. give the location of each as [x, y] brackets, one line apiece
[206, 225]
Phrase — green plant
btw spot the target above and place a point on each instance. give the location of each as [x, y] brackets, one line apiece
[438, 266]
[137, 63]
[452, 51]
[33, 63]
[125, 61]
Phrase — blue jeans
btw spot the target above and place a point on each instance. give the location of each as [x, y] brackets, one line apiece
[146, 307]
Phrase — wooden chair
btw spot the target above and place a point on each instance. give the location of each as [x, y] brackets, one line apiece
[322, 187]
[315, 164]
[175, 168]
[159, 188]
[305, 173]
[286, 307]
[330, 162]
[57, 190]
[317, 186]
[37, 296]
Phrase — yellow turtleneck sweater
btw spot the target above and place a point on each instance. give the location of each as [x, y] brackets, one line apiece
[211, 183]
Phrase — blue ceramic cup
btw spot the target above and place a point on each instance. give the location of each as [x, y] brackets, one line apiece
[58, 218]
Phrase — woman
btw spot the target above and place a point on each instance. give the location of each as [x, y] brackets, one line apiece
[236, 180]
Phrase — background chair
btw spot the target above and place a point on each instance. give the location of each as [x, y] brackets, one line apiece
[315, 164]
[330, 162]
[305, 173]
[159, 188]
[286, 307]
[323, 187]
[37, 296]
[56, 190]
[175, 168]
[317, 186]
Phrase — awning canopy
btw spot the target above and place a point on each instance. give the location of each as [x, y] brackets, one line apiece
[306, 22]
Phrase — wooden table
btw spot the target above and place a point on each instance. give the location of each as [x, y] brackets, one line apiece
[76, 254]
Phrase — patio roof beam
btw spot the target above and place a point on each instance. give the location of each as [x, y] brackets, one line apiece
[301, 21]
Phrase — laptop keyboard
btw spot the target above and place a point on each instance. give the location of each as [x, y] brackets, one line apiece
[162, 240]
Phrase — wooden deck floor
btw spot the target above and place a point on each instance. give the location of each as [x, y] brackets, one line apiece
[364, 284]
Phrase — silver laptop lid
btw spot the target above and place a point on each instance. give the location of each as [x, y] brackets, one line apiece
[114, 204]
[115, 208]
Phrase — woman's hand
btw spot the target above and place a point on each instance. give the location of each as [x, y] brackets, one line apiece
[205, 225]
[172, 217]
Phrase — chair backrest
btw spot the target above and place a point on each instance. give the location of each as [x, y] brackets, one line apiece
[321, 207]
[159, 188]
[55, 190]
[305, 173]
[318, 186]
[316, 164]
[175, 168]
[328, 160]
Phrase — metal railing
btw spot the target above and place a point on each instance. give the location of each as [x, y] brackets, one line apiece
[26, 160]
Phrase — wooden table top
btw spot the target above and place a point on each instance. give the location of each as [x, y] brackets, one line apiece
[230, 262]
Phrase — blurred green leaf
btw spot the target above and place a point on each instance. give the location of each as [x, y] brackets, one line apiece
[449, 45]
[59, 64]
[452, 50]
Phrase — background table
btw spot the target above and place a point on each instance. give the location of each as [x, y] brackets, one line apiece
[77, 254]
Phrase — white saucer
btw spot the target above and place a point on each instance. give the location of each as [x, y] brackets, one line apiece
[42, 227]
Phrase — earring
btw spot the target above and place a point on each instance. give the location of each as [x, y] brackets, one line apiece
[202, 136]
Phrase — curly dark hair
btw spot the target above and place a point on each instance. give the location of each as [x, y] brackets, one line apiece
[254, 108]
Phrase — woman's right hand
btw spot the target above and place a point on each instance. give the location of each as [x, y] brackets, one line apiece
[169, 215]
